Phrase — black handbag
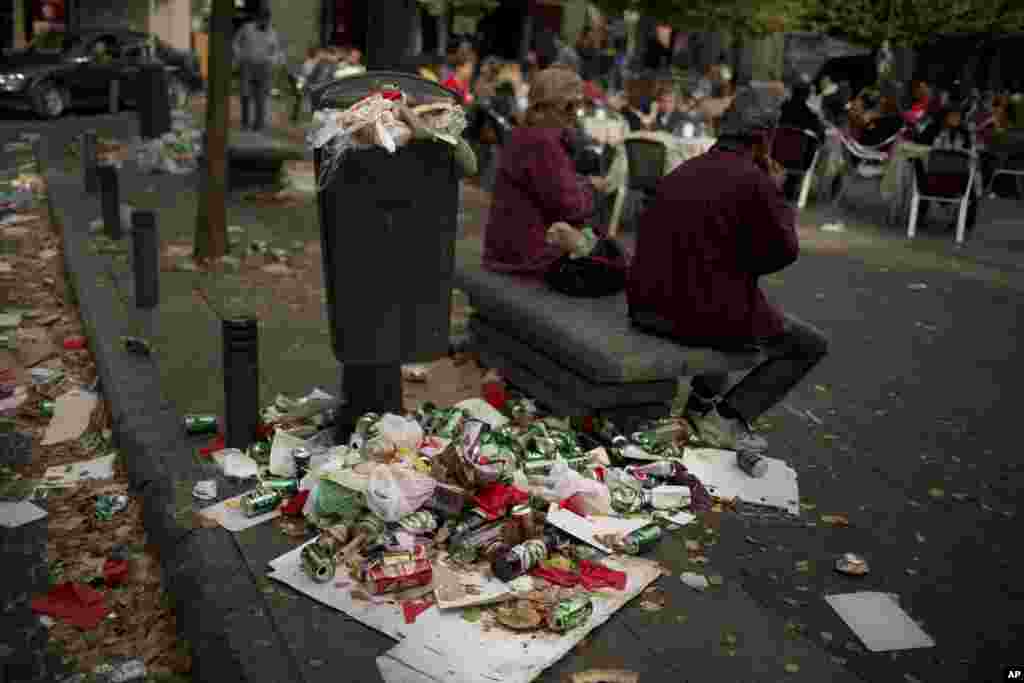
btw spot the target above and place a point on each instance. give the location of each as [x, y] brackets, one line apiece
[602, 273]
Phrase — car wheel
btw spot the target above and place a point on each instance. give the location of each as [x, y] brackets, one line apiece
[49, 101]
[177, 93]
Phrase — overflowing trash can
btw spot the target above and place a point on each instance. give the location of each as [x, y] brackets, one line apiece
[388, 157]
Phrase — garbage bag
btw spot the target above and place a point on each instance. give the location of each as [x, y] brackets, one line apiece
[394, 432]
[395, 492]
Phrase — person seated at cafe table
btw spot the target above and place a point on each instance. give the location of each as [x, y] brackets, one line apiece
[718, 223]
[884, 122]
[947, 131]
[537, 185]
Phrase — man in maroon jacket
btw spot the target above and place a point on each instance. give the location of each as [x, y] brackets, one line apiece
[718, 223]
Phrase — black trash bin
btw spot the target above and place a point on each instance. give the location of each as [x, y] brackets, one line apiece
[388, 224]
[154, 102]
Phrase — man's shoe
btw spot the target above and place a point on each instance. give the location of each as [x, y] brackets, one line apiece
[728, 433]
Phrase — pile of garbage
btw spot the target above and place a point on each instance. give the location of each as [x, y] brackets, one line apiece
[504, 492]
[177, 151]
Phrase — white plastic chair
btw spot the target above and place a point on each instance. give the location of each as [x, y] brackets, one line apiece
[951, 160]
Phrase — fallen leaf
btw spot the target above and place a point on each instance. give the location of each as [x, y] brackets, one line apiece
[791, 667]
[960, 497]
[807, 507]
[803, 566]
[826, 636]
[936, 492]
[910, 572]
[729, 638]
[920, 538]
[693, 546]
[793, 602]
[716, 580]
[472, 614]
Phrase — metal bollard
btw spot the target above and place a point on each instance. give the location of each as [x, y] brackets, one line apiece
[241, 381]
[115, 95]
[110, 200]
[145, 259]
[88, 152]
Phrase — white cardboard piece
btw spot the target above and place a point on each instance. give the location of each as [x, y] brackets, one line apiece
[71, 414]
[13, 515]
[680, 518]
[879, 621]
[228, 513]
[281, 463]
[61, 476]
[488, 589]
[718, 471]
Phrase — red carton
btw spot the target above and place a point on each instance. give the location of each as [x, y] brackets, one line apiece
[391, 578]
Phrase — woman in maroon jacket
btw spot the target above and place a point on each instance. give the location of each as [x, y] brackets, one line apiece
[718, 223]
[537, 185]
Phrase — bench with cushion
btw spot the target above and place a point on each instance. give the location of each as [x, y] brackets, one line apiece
[577, 356]
[256, 159]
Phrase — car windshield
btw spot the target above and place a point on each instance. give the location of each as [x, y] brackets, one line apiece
[54, 41]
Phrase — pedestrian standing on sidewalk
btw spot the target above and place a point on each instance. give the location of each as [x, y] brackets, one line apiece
[719, 222]
[257, 50]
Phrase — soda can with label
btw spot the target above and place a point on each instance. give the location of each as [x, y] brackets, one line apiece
[260, 502]
[201, 424]
[284, 485]
[568, 614]
[641, 540]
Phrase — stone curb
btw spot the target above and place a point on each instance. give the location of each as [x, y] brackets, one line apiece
[218, 603]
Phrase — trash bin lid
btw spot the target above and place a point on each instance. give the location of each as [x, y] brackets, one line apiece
[342, 93]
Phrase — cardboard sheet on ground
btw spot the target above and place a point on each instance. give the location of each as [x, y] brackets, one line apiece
[441, 645]
[454, 589]
[13, 515]
[228, 513]
[446, 647]
[63, 476]
[71, 415]
[717, 470]
[879, 621]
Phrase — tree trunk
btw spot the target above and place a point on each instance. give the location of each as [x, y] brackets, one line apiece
[211, 222]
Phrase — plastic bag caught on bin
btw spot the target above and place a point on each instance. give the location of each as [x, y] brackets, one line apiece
[564, 482]
[395, 492]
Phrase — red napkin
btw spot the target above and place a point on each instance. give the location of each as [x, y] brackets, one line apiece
[413, 608]
[79, 604]
[216, 445]
[559, 577]
[574, 503]
[115, 572]
[494, 393]
[74, 343]
[295, 504]
[495, 498]
[593, 575]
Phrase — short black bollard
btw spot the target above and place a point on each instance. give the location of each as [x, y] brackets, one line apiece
[110, 200]
[145, 259]
[115, 95]
[88, 151]
[241, 382]
[154, 105]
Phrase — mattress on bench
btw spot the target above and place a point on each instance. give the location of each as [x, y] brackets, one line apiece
[592, 337]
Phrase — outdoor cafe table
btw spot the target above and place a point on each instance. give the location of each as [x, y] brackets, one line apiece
[678, 150]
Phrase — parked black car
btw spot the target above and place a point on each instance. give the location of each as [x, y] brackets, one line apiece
[60, 69]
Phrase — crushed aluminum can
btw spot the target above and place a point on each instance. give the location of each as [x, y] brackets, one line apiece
[420, 522]
[260, 502]
[137, 345]
[318, 561]
[205, 490]
[448, 500]
[852, 565]
[570, 613]
[122, 672]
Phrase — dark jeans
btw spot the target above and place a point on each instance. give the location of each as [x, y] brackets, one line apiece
[788, 359]
[254, 86]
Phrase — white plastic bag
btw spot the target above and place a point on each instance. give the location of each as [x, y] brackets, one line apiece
[394, 492]
[235, 464]
[564, 482]
[394, 432]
